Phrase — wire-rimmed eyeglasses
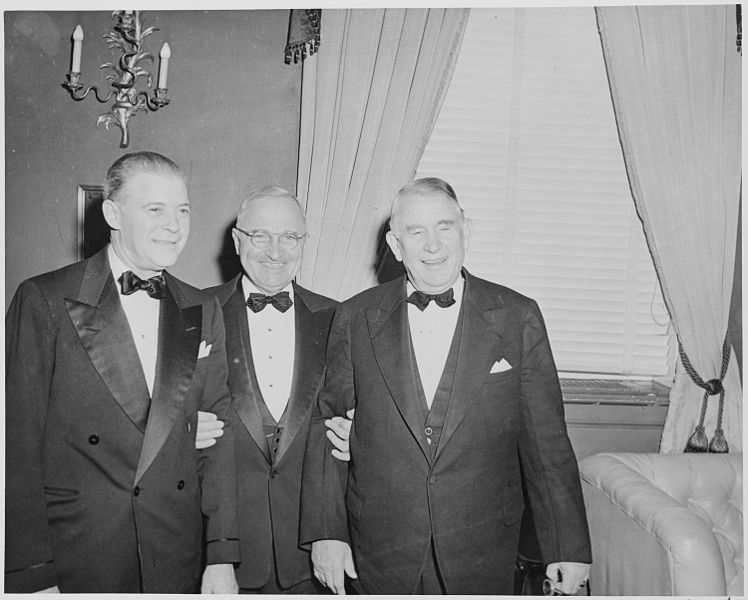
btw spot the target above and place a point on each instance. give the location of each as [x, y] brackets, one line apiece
[261, 238]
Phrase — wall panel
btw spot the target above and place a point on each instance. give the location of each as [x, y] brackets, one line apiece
[232, 124]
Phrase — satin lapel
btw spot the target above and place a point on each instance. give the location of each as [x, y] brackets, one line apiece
[390, 337]
[104, 332]
[308, 368]
[483, 321]
[179, 333]
[239, 352]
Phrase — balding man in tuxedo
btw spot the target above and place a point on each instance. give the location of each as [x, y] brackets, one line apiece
[276, 336]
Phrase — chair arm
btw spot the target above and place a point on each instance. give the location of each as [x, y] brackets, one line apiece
[638, 530]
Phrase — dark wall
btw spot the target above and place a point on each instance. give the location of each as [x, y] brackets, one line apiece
[232, 125]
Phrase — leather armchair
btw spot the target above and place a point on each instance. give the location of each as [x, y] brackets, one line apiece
[665, 524]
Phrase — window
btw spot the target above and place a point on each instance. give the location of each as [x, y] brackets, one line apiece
[528, 139]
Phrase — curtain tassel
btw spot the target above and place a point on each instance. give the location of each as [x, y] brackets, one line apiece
[739, 37]
[718, 445]
[303, 34]
[698, 441]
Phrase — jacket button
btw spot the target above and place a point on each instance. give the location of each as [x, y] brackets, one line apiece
[136, 491]
[180, 484]
[93, 439]
[273, 473]
[432, 479]
[428, 431]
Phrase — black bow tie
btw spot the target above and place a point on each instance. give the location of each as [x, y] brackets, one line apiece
[421, 299]
[281, 301]
[155, 286]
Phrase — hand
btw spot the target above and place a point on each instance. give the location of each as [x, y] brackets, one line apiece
[339, 430]
[568, 577]
[209, 428]
[332, 561]
[52, 590]
[219, 579]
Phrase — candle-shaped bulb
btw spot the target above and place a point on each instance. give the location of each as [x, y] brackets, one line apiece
[75, 65]
[163, 69]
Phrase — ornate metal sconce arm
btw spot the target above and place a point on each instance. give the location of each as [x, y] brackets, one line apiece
[127, 37]
[159, 100]
[72, 86]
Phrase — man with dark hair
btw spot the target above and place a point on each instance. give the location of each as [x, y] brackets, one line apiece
[276, 335]
[107, 362]
[457, 401]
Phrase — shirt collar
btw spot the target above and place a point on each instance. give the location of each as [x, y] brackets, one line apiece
[117, 265]
[250, 288]
[458, 286]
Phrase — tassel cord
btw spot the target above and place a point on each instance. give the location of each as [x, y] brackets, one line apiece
[698, 441]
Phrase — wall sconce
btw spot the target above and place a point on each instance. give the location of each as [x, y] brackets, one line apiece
[127, 37]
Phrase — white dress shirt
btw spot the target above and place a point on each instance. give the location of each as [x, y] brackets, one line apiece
[273, 339]
[432, 331]
[142, 314]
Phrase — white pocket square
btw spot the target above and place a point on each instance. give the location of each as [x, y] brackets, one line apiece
[501, 366]
[204, 350]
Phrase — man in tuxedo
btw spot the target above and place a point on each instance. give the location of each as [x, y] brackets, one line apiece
[456, 401]
[107, 362]
[276, 335]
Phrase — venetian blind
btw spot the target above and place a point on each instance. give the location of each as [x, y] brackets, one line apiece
[528, 139]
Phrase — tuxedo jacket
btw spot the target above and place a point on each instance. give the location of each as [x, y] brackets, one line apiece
[395, 498]
[270, 488]
[97, 499]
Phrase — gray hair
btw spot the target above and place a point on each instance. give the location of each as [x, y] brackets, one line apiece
[136, 162]
[423, 186]
[269, 191]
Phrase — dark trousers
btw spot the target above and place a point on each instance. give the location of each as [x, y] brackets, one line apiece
[309, 586]
[273, 586]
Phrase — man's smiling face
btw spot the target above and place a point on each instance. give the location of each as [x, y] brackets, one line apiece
[150, 220]
[273, 267]
[430, 237]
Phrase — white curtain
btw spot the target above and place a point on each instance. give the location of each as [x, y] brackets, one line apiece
[675, 79]
[370, 97]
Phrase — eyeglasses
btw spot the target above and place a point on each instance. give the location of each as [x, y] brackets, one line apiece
[261, 238]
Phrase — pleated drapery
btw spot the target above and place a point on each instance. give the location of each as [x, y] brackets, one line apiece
[675, 79]
[370, 97]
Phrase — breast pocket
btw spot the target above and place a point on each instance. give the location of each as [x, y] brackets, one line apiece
[504, 377]
[502, 388]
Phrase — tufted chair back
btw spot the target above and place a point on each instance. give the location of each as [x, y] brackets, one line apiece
[665, 524]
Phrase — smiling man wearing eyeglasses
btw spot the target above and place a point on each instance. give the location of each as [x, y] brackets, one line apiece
[276, 335]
